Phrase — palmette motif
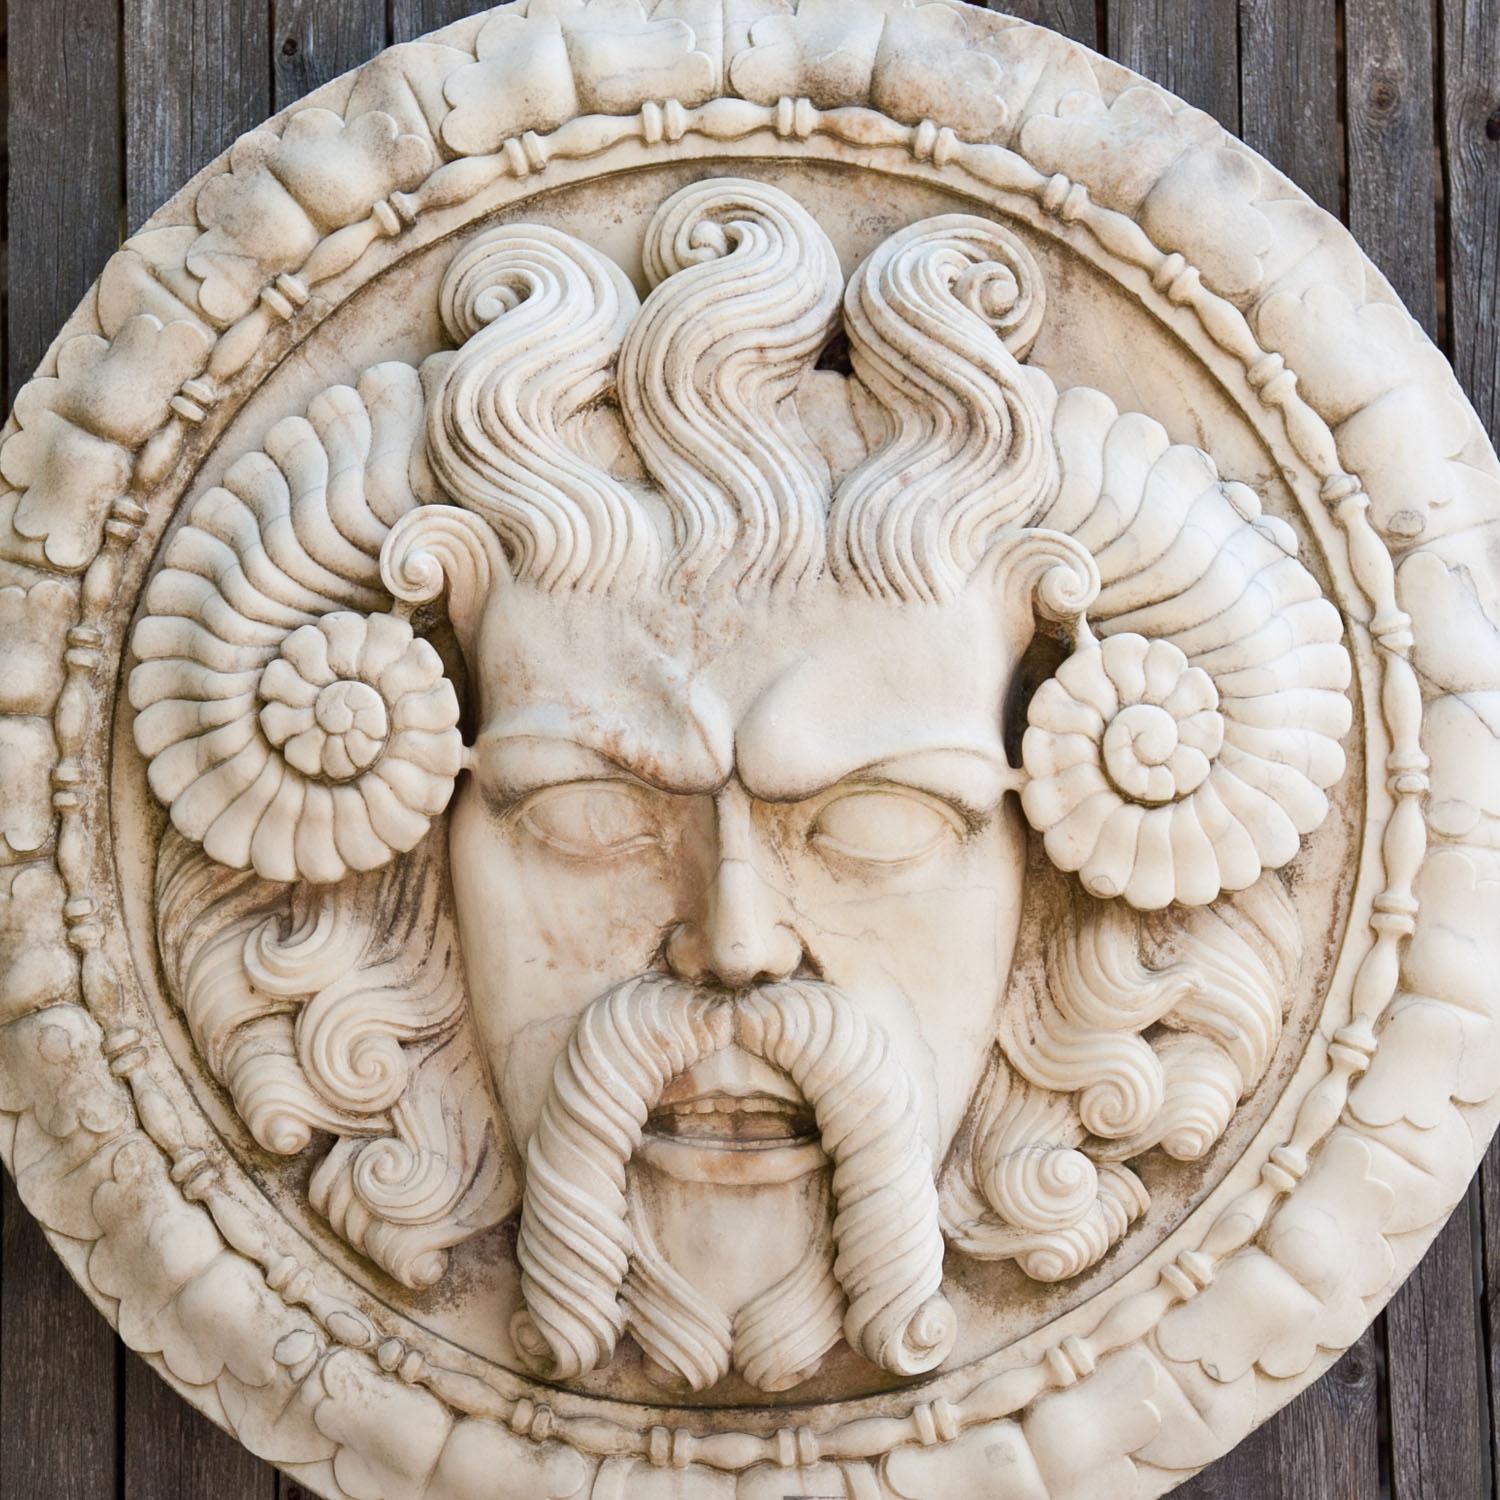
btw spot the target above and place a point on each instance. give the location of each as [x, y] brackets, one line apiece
[305, 742]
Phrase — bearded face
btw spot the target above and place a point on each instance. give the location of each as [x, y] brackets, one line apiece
[717, 928]
[737, 897]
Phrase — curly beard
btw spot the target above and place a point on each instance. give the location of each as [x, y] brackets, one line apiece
[591, 1267]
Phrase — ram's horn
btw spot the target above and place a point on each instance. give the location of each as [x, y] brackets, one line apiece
[292, 725]
[1191, 745]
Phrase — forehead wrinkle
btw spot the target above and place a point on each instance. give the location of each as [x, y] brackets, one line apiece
[798, 737]
[679, 750]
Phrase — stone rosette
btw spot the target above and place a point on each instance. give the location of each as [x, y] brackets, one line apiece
[1259, 1290]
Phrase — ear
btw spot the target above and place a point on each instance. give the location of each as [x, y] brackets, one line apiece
[440, 548]
[1042, 573]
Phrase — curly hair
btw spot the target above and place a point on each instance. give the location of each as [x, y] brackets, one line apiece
[1147, 1030]
[341, 1010]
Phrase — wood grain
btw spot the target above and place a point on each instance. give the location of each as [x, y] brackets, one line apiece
[197, 74]
[66, 164]
[1189, 46]
[1434, 1340]
[1289, 92]
[1075, 18]
[414, 18]
[60, 1399]
[168, 1449]
[313, 41]
[1471, 140]
[1392, 172]
[1440, 1437]
[133, 113]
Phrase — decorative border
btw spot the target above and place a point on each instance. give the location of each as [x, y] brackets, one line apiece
[182, 321]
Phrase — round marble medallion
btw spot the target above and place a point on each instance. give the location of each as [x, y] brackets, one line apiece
[752, 760]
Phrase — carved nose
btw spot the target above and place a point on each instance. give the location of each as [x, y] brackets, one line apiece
[738, 940]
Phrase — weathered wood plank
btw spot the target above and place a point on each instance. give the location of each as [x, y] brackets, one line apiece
[1188, 46]
[65, 163]
[1328, 1440]
[1325, 1444]
[1289, 91]
[1471, 138]
[315, 40]
[1439, 1416]
[171, 1451]
[197, 74]
[1192, 48]
[1392, 164]
[414, 18]
[1272, 72]
[1075, 18]
[1289, 1460]
[1250, 1472]
[1439, 1422]
[1489, 1181]
[59, 1402]
[1470, 52]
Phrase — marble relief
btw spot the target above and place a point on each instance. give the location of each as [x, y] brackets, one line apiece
[759, 785]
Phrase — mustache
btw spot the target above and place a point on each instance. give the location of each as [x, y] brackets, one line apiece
[576, 1246]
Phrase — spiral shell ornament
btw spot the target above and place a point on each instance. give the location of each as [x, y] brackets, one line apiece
[1129, 728]
[1188, 742]
[293, 726]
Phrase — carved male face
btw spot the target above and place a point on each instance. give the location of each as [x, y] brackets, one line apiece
[735, 798]
[736, 873]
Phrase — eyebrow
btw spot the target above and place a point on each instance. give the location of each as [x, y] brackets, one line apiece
[974, 781]
[520, 763]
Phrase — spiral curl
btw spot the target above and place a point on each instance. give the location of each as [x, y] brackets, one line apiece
[746, 289]
[540, 316]
[1190, 746]
[938, 319]
[372, 958]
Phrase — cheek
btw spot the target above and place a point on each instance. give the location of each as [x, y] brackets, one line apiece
[928, 951]
[542, 938]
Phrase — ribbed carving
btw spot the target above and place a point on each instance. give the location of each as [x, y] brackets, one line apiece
[576, 1244]
[540, 317]
[291, 725]
[746, 294]
[886, 1226]
[1191, 746]
[937, 318]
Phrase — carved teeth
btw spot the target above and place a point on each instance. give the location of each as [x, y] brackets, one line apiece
[723, 1104]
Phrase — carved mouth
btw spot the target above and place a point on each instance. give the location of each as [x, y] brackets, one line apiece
[730, 1122]
[732, 1108]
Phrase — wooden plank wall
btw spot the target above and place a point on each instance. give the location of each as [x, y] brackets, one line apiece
[1386, 111]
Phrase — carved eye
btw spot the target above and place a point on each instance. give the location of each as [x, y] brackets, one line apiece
[883, 827]
[589, 820]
